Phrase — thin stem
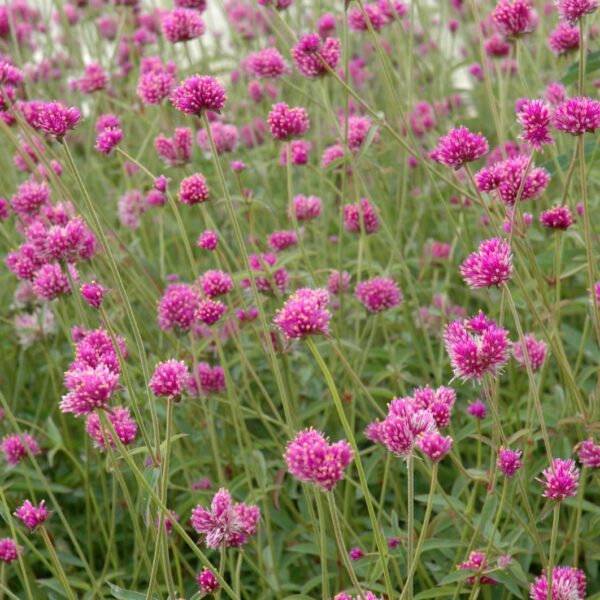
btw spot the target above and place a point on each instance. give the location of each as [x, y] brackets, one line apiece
[415, 560]
[410, 522]
[340, 543]
[59, 570]
[576, 534]
[551, 556]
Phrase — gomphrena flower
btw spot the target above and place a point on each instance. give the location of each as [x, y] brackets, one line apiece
[9, 550]
[368, 595]
[356, 553]
[177, 307]
[182, 25]
[402, 427]
[304, 313]
[281, 240]
[93, 293]
[50, 281]
[156, 80]
[193, 190]
[490, 265]
[459, 147]
[197, 94]
[33, 516]
[509, 461]
[209, 311]
[55, 118]
[286, 123]
[505, 178]
[477, 409]
[358, 216]
[559, 218]
[89, 388]
[216, 283]
[438, 402]
[514, 17]
[208, 240]
[175, 150]
[225, 137]
[210, 380]
[563, 38]
[338, 282]
[577, 115]
[298, 152]
[305, 208]
[108, 139]
[434, 445]
[14, 447]
[589, 454]
[536, 352]
[169, 378]
[476, 562]
[573, 10]
[534, 116]
[378, 294]
[311, 54]
[267, 63]
[226, 522]
[310, 457]
[560, 479]
[207, 582]
[123, 423]
[476, 347]
[568, 583]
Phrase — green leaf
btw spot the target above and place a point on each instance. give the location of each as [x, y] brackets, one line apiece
[592, 64]
[441, 592]
[121, 594]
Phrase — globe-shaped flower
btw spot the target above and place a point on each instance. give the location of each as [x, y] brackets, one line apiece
[568, 583]
[286, 123]
[476, 346]
[560, 479]
[55, 118]
[509, 461]
[170, 378]
[310, 457]
[534, 349]
[193, 190]
[589, 454]
[311, 54]
[573, 10]
[207, 582]
[459, 147]
[434, 445]
[33, 516]
[577, 116]
[122, 423]
[490, 265]
[197, 94]
[559, 218]
[9, 550]
[514, 17]
[378, 294]
[304, 313]
[534, 116]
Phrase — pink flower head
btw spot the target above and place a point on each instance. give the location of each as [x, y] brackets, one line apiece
[378, 294]
[197, 94]
[514, 17]
[573, 10]
[267, 63]
[589, 454]
[560, 479]
[477, 409]
[357, 217]
[225, 522]
[534, 116]
[177, 307]
[509, 461]
[490, 265]
[534, 349]
[207, 582]
[210, 311]
[124, 425]
[338, 282]
[568, 583]
[306, 208]
[285, 122]
[14, 447]
[356, 553]
[193, 190]
[280, 240]
[89, 388]
[326, 24]
[476, 562]
[93, 293]
[225, 137]
[177, 149]
[358, 22]
[558, 218]
[33, 516]
[50, 281]
[404, 424]
[94, 79]
[577, 115]
[182, 25]
[438, 402]
[564, 38]
[262, 264]
[476, 346]
[30, 197]
[208, 240]
[304, 313]
[311, 54]
[169, 378]
[311, 458]
[358, 130]
[168, 521]
[459, 147]
[434, 445]
[9, 550]
[298, 151]
[216, 283]
[108, 139]
[555, 93]
[208, 380]
[156, 80]
[55, 118]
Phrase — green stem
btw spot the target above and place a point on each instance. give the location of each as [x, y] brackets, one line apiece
[410, 522]
[551, 556]
[59, 570]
